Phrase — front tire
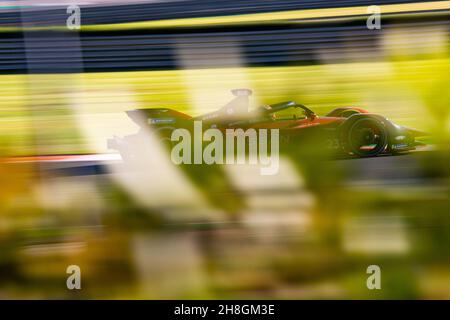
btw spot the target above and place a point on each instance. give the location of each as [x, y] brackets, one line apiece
[365, 137]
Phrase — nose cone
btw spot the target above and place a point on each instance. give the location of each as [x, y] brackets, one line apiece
[416, 133]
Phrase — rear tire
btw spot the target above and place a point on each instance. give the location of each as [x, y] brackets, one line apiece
[164, 135]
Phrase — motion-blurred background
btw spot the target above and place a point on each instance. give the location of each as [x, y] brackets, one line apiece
[160, 231]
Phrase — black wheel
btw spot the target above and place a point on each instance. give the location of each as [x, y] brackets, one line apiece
[348, 113]
[164, 135]
[366, 137]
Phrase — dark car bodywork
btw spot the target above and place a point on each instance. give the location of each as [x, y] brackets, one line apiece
[348, 130]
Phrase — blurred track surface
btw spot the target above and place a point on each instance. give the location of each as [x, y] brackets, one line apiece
[401, 170]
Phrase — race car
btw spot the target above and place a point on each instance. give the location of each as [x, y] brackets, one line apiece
[348, 130]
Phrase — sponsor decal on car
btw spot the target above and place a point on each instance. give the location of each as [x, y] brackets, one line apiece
[161, 120]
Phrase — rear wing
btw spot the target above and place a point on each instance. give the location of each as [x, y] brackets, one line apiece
[159, 116]
[236, 108]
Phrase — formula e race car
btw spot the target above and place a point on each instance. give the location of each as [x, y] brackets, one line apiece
[349, 130]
